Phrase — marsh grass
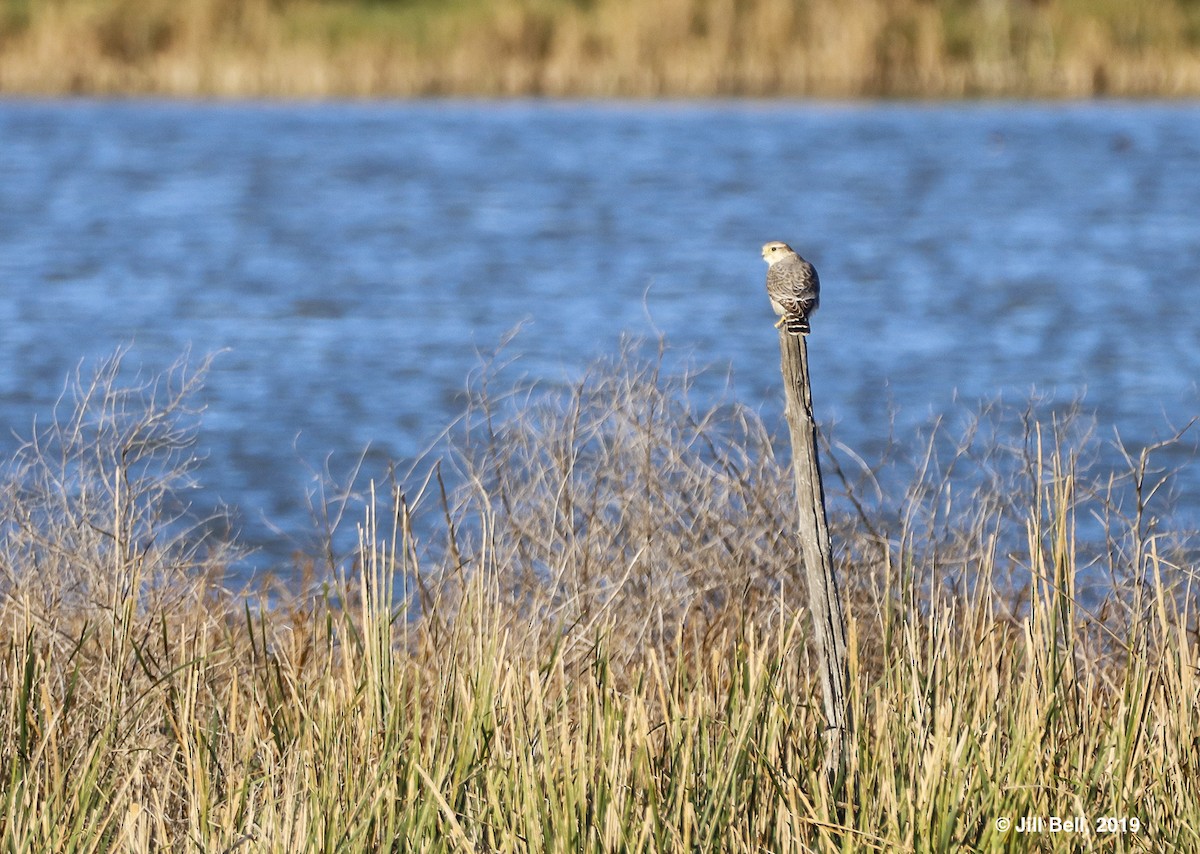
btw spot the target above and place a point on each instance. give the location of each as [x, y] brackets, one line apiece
[601, 48]
[598, 647]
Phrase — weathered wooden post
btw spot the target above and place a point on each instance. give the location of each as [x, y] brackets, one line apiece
[816, 552]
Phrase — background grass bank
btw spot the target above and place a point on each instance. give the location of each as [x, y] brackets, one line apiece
[601, 48]
[597, 649]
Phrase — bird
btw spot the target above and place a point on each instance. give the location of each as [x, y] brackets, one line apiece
[792, 285]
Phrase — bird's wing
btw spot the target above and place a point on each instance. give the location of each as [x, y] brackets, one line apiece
[793, 281]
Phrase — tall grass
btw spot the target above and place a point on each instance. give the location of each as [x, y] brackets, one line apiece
[629, 48]
[580, 633]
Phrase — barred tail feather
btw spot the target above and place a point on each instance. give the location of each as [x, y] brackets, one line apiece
[797, 324]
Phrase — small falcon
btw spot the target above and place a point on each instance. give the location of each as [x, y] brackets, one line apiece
[793, 287]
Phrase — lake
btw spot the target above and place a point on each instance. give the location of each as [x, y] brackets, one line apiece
[353, 260]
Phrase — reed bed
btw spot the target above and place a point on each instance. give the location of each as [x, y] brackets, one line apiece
[578, 630]
[601, 48]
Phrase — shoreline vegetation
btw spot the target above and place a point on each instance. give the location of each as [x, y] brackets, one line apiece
[601, 48]
[599, 649]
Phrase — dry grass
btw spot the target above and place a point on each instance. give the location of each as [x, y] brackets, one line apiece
[628, 48]
[595, 648]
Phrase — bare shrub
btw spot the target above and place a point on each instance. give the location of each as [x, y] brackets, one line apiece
[616, 505]
[92, 506]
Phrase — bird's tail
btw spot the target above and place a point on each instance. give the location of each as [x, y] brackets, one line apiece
[797, 324]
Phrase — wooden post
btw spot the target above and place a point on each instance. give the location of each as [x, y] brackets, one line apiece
[816, 552]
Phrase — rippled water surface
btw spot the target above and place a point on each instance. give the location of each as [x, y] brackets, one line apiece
[354, 259]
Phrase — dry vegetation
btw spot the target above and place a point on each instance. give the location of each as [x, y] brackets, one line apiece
[631, 48]
[594, 645]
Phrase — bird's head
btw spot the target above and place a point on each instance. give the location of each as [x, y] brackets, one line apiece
[776, 251]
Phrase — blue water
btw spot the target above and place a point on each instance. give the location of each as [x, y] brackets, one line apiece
[353, 260]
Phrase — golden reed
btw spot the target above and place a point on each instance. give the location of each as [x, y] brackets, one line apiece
[601, 48]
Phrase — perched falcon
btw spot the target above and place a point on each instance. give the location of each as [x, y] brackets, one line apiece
[793, 287]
